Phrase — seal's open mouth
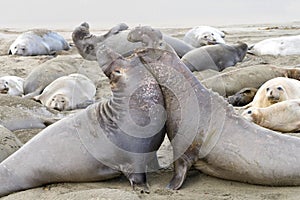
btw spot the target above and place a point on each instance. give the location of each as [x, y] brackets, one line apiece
[273, 99]
[4, 91]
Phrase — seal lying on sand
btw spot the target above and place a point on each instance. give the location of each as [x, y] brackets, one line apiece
[99, 142]
[38, 42]
[215, 139]
[9, 143]
[229, 83]
[280, 46]
[68, 92]
[180, 47]
[276, 90]
[283, 116]
[242, 97]
[216, 57]
[12, 85]
[204, 35]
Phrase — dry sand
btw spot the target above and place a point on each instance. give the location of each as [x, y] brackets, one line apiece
[197, 185]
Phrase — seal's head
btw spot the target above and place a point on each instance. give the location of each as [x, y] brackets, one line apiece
[58, 102]
[18, 49]
[242, 97]
[253, 115]
[147, 35]
[276, 93]
[4, 86]
[242, 49]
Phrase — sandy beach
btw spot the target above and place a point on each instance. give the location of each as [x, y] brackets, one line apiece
[197, 184]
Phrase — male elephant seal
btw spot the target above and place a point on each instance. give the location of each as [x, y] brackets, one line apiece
[180, 47]
[98, 143]
[216, 57]
[9, 143]
[276, 90]
[204, 35]
[12, 85]
[215, 139]
[68, 92]
[38, 42]
[280, 46]
[242, 97]
[283, 116]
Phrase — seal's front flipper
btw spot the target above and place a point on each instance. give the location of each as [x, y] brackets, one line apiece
[139, 183]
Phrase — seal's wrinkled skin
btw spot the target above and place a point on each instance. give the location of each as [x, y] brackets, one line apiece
[120, 135]
[220, 138]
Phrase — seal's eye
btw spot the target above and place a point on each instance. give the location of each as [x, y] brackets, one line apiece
[205, 37]
[279, 88]
[249, 112]
[268, 89]
[118, 72]
[212, 34]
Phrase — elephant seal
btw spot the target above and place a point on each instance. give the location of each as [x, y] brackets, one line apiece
[180, 47]
[242, 97]
[216, 57]
[276, 90]
[68, 92]
[214, 139]
[229, 83]
[283, 116]
[38, 42]
[204, 35]
[12, 85]
[108, 138]
[280, 46]
[47, 72]
[9, 143]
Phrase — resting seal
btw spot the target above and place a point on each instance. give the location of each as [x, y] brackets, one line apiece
[180, 47]
[242, 97]
[204, 35]
[216, 57]
[38, 42]
[68, 92]
[215, 139]
[283, 116]
[9, 143]
[12, 85]
[99, 142]
[281, 46]
[276, 90]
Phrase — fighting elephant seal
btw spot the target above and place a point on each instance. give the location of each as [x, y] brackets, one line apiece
[12, 85]
[215, 139]
[68, 92]
[38, 42]
[216, 57]
[98, 143]
[276, 90]
[280, 46]
[204, 35]
[9, 143]
[283, 116]
[242, 97]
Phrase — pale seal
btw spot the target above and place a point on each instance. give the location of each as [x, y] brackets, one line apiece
[9, 143]
[68, 92]
[283, 116]
[280, 46]
[204, 35]
[38, 42]
[216, 57]
[108, 138]
[12, 85]
[276, 90]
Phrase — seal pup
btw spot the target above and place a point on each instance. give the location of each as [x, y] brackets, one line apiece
[38, 42]
[120, 135]
[214, 139]
[216, 57]
[204, 35]
[9, 143]
[68, 92]
[242, 97]
[283, 116]
[276, 90]
[280, 46]
[11, 85]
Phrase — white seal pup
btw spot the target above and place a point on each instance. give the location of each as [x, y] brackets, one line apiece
[283, 116]
[276, 90]
[68, 92]
[280, 46]
[204, 35]
[38, 42]
[11, 85]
